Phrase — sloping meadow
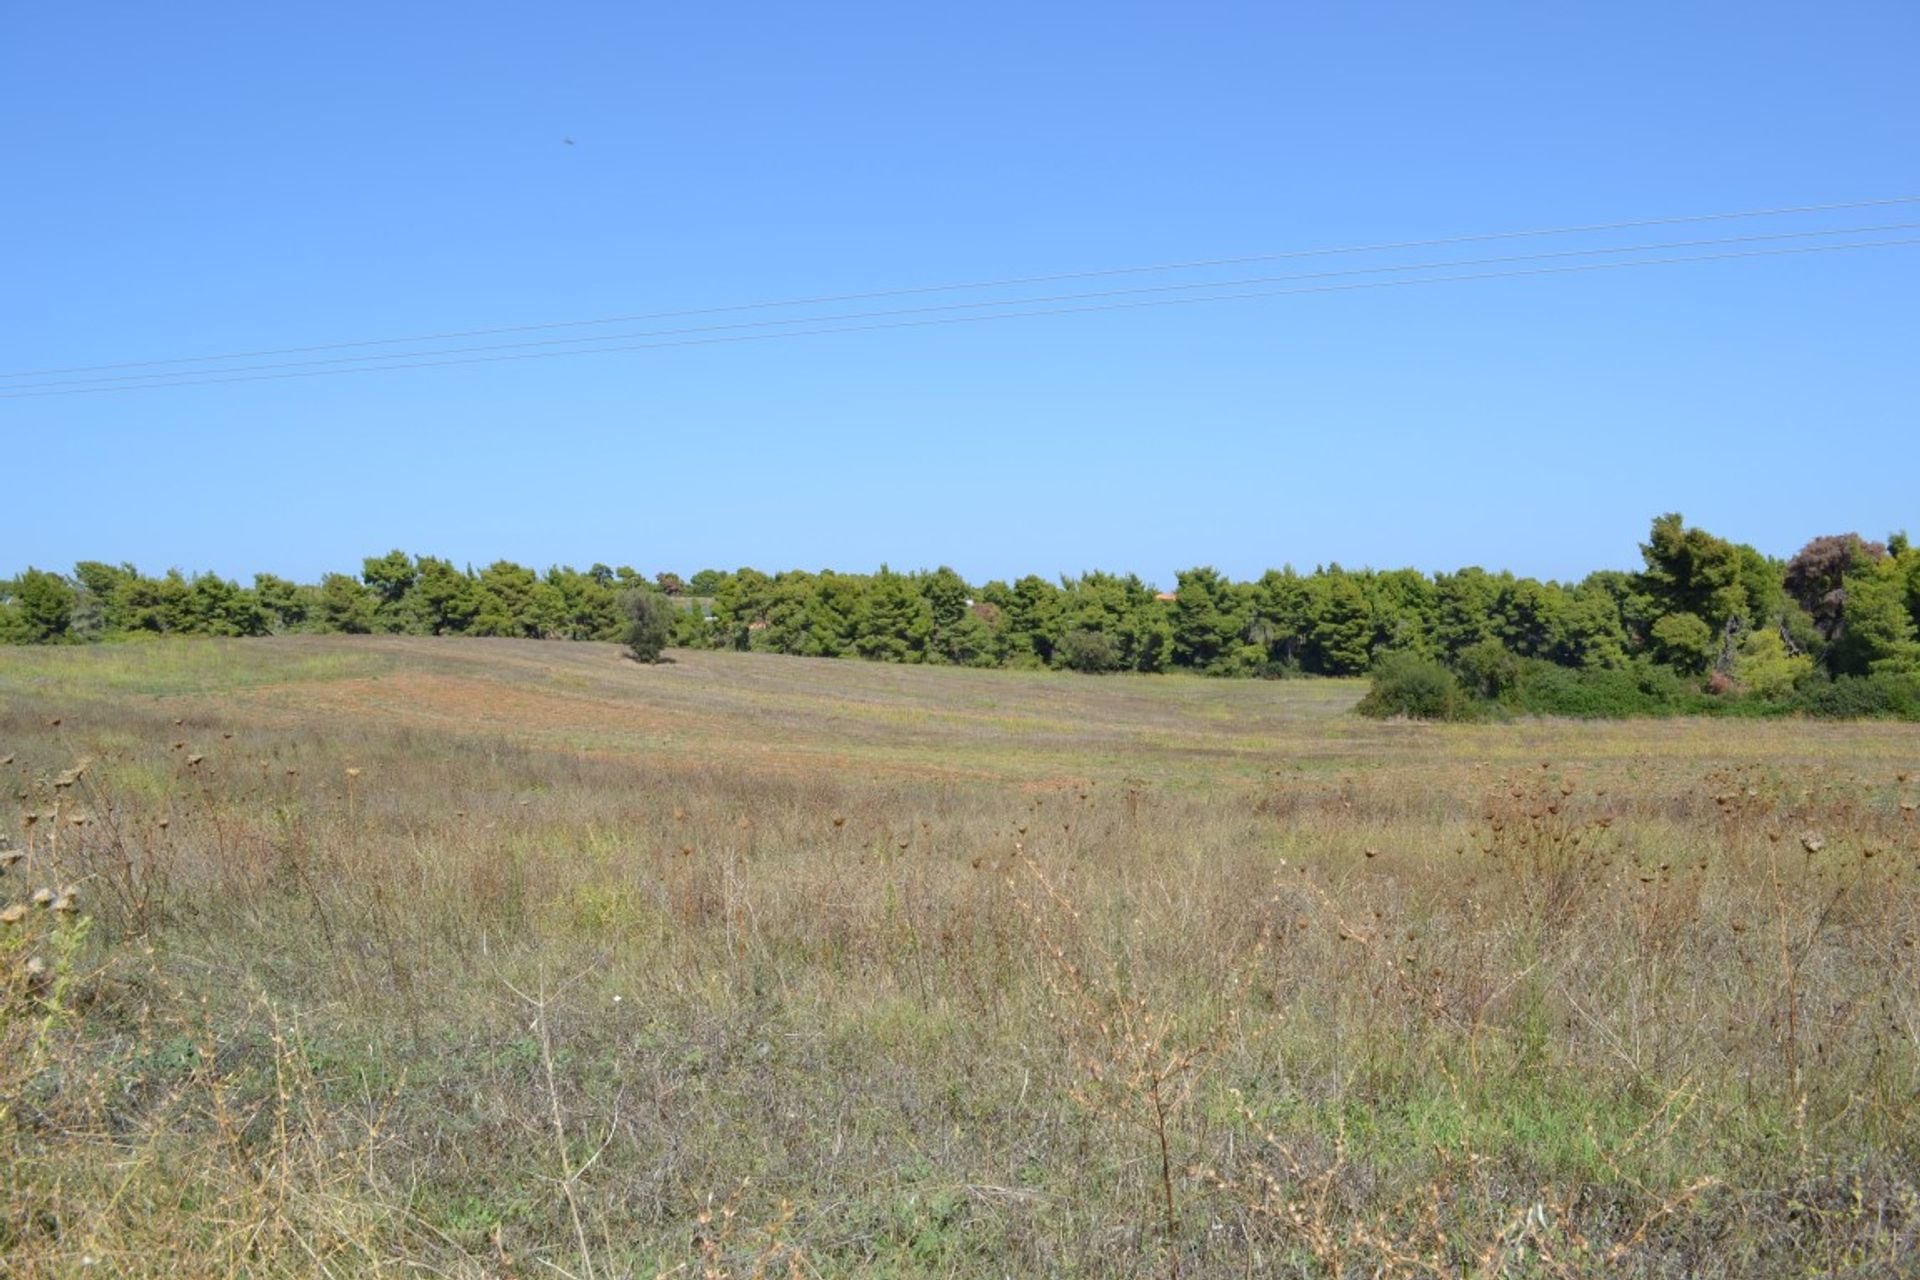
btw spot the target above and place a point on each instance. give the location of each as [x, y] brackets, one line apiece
[760, 966]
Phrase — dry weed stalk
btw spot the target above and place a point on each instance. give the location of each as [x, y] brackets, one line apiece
[1132, 1061]
[718, 1237]
[540, 1001]
[1305, 1204]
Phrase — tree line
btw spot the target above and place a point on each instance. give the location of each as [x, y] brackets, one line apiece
[1701, 614]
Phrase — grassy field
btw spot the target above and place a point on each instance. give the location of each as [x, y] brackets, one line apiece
[494, 958]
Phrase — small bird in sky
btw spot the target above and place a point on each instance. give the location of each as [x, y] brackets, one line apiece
[566, 142]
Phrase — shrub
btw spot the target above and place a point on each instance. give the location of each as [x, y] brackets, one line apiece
[1640, 689]
[1417, 688]
[1684, 642]
[1245, 660]
[1882, 696]
[41, 609]
[1764, 668]
[1092, 652]
[1488, 668]
[650, 617]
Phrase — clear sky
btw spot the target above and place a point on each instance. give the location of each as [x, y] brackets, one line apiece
[183, 180]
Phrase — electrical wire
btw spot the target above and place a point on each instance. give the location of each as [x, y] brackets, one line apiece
[993, 303]
[1005, 282]
[1003, 315]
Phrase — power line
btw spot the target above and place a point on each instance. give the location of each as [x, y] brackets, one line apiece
[1006, 282]
[157, 378]
[1005, 315]
[970, 306]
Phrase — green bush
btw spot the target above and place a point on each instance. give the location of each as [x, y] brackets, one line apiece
[1091, 652]
[36, 608]
[1683, 642]
[1417, 688]
[650, 617]
[1639, 689]
[1876, 697]
[1764, 667]
[1488, 668]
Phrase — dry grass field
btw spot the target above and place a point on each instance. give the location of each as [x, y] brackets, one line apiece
[476, 958]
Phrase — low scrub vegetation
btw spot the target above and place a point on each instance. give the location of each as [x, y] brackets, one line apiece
[295, 991]
[1423, 689]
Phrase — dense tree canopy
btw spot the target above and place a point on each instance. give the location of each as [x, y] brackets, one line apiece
[1700, 608]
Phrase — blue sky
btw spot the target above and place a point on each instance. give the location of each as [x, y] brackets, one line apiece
[202, 179]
